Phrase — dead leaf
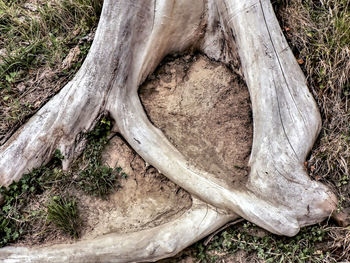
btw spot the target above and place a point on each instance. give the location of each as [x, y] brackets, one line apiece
[70, 58]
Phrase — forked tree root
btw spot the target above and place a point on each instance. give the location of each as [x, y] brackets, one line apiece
[132, 38]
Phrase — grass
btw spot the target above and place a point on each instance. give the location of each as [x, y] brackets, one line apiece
[18, 219]
[63, 212]
[318, 31]
[36, 37]
[265, 247]
[14, 219]
[320, 35]
[246, 242]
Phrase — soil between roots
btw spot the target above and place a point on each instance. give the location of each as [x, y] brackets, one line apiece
[143, 200]
[204, 109]
[146, 198]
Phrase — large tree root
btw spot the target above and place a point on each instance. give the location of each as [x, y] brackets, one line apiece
[146, 245]
[131, 40]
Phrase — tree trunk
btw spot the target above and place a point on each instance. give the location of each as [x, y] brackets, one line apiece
[132, 38]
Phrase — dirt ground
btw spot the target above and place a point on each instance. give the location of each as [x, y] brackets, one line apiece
[143, 200]
[204, 110]
[146, 198]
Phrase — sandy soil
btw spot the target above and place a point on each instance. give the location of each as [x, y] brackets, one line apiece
[204, 110]
[146, 198]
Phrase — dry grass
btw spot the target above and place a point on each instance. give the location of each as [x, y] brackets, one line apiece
[42, 45]
[319, 33]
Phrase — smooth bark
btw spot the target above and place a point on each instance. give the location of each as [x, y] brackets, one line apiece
[131, 40]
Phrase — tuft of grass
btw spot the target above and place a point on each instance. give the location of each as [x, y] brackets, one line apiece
[95, 178]
[63, 212]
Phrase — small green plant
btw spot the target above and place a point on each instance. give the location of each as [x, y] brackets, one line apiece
[13, 221]
[58, 155]
[95, 179]
[8, 230]
[63, 212]
[265, 247]
[98, 179]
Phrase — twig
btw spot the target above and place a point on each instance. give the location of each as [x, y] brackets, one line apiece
[206, 242]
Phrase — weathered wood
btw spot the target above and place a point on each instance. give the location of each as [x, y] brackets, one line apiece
[146, 245]
[131, 40]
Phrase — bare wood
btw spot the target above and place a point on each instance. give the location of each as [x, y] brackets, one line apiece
[146, 245]
[131, 40]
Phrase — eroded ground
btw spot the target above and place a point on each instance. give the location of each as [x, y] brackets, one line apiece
[146, 198]
[204, 110]
[142, 200]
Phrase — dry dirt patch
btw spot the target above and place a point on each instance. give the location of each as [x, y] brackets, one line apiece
[204, 110]
[146, 199]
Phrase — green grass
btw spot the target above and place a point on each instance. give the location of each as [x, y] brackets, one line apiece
[265, 247]
[319, 33]
[40, 35]
[245, 242]
[14, 220]
[63, 212]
